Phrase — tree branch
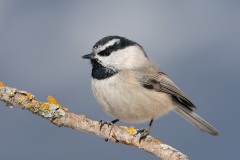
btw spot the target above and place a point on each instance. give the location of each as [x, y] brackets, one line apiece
[56, 114]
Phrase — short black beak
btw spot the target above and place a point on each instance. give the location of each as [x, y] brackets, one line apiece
[87, 56]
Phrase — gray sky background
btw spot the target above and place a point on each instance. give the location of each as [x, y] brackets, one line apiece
[197, 43]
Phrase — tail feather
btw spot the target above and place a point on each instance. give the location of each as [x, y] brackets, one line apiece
[196, 120]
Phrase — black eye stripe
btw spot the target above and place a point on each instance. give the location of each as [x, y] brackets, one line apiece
[104, 53]
[109, 50]
[118, 45]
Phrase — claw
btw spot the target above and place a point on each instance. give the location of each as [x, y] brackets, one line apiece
[144, 132]
[102, 122]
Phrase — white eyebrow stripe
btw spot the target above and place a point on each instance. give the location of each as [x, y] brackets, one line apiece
[110, 43]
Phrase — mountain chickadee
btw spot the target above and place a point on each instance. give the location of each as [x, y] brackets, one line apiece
[130, 88]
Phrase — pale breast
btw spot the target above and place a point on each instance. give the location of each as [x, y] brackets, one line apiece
[122, 97]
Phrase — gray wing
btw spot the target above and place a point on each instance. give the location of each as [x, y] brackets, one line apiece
[158, 81]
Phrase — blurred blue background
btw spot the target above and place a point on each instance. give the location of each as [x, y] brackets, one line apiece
[197, 43]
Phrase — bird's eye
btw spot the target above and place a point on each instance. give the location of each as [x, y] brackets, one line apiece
[104, 53]
[107, 53]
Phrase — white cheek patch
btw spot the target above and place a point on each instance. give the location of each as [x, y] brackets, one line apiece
[103, 47]
[130, 58]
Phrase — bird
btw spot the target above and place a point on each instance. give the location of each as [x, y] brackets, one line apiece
[131, 88]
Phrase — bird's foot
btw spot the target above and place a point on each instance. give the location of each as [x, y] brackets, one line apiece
[144, 132]
[102, 122]
[109, 123]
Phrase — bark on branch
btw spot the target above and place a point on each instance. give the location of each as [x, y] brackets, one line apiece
[56, 114]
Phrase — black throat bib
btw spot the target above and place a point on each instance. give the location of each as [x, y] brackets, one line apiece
[100, 72]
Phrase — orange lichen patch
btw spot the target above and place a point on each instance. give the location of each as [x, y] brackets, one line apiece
[156, 140]
[50, 109]
[53, 100]
[65, 109]
[1, 84]
[29, 96]
[130, 130]
[29, 105]
[45, 107]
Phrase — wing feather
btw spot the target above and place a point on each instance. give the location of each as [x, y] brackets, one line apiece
[159, 81]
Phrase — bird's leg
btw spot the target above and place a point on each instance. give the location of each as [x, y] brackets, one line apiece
[102, 122]
[144, 132]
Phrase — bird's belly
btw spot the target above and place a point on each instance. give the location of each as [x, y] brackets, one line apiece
[129, 102]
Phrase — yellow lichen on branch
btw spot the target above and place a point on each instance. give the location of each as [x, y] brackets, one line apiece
[53, 100]
[1, 84]
[130, 130]
[51, 108]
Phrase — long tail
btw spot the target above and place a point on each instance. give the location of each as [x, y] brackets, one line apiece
[196, 120]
